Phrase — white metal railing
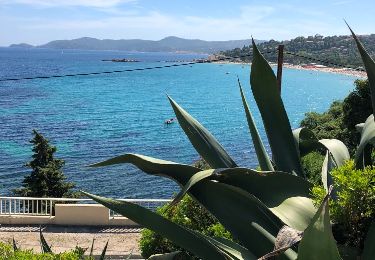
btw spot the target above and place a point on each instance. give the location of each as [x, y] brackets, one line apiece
[45, 206]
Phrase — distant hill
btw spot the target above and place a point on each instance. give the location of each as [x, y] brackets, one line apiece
[21, 45]
[337, 49]
[168, 44]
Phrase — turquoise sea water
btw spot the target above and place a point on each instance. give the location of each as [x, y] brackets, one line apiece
[97, 117]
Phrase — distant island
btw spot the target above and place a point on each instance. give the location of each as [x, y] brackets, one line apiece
[336, 49]
[168, 44]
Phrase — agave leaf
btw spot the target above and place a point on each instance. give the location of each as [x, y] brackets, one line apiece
[178, 255]
[369, 66]
[359, 127]
[367, 138]
[338, 150]
[202, 140]
[182, 236]
[102, 255]
[276, 123]
[286, 195]
[232, 249]
[263, 159]
[193, 180]
[92, 247]
[235, 249]
[45, 247]
[240, 206]
[305, 140]
[317, 241]
[328, 165]
[15, 248]
[153, 166]
[369, 248]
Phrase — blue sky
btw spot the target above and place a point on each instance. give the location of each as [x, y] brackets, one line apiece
[40, 21]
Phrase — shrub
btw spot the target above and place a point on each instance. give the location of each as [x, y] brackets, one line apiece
[7, 253]
[341, 118]
[312, 165]
[353, 210]
[187, 213]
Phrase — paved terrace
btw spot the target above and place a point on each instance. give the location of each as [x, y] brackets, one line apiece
[67, 223]
[122, 240]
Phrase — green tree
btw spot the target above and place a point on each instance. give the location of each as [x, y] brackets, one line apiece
[46, 178]
[340, 120]
[356, 108]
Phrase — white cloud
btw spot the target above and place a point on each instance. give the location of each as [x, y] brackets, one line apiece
[260, 21]
[57, 3]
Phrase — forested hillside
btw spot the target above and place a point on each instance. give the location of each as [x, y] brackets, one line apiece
[337, 49]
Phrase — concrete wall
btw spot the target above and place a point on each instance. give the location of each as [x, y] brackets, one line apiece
[71, 214]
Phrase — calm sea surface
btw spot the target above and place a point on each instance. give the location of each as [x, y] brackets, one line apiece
[97, 117]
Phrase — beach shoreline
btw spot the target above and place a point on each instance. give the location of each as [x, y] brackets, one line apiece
[342, 71]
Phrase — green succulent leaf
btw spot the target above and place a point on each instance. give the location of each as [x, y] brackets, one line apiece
[367, 138]
[286, 195]
[92, 247]
[177, 255]
[359, 127]
[102, 255]
[369, 248]
[45, 247]
[202, 140]
[306, 141]
[338, 150]
[193, 180]
[15, 247]
[318, 242]
[180, 172]
[236, 250]
[263, 159]
[182, 236]
[276, 123]
[232, 249]
[328, 165]
[240, 206]
[369, 66]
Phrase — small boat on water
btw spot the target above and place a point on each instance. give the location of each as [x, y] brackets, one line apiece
[169, 121]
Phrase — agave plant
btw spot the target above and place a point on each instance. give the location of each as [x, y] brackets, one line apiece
[266, 211]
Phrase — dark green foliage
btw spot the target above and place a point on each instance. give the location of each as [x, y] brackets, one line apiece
[7, 253]
[312, 165]
[356, 108]
[353, 211]
[340, 120]
[337, 49]
[326, 125]
[187, 213]
[46, 178]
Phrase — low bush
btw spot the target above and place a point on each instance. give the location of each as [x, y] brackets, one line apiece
[352, 209]
[7, 253]
[187, 213]
[312, 166]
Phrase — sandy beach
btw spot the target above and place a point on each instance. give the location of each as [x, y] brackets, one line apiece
[343, 71]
